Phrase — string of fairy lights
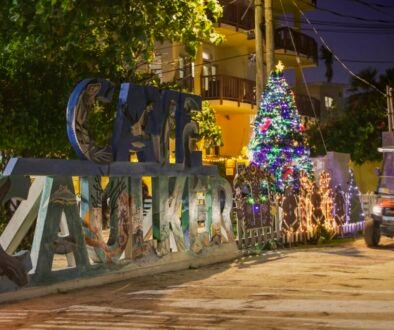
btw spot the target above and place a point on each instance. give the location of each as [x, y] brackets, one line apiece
[278, 147]
[278, 143]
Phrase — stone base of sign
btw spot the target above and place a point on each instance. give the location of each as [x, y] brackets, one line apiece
[139, 268]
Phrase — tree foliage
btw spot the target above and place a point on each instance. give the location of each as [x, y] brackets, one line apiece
[327, 57]
[47, 46]
[359, 130]
[208, 129]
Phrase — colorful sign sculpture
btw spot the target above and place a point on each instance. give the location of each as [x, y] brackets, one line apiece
[146, 116]
[145, 119]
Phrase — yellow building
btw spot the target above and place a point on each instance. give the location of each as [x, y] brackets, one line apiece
[226, 74]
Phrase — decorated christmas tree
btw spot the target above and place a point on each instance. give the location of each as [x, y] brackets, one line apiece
[278, 144]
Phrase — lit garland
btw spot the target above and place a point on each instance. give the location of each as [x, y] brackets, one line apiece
[312, 212]
[353, 201]
[278, 144]
[339, 207]
[305, 208]
[326, 200]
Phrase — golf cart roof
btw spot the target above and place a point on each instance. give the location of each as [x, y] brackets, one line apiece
[386, 149]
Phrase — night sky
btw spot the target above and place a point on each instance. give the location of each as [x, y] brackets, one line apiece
[364, 45]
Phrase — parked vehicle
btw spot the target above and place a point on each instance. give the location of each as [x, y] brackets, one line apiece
[381, 221]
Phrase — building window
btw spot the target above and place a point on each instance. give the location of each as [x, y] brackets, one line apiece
[329, 102]
[185, 68]
[156, 67]
[181, 68]
[186, 73]
[209, 72]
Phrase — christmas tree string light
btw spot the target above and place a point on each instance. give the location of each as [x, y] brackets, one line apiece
[327, 199]
[305, 204]
[278, 144]
[353, 200]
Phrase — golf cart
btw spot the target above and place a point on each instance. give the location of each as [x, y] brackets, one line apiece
[381, 221]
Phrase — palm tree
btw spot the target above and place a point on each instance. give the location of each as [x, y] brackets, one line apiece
[326, 55]
[369, 75]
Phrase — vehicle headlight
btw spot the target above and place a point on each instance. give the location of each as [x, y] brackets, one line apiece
[377, 210]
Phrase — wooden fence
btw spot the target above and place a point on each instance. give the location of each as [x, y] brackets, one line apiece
[273, 227]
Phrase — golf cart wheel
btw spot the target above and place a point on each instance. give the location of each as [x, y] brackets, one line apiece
[371, 233]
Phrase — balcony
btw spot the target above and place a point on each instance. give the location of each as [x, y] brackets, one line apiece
[222, 87]
[238, 15]
[304, 44]
[229, 88]
[241, 15]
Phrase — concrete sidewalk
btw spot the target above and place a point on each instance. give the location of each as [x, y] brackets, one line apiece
[349, 287]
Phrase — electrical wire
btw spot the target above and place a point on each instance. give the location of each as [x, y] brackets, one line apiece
[211, 62]
[377, 4]
[333, 12]
[371, 6]
[182, 45]
[369, 61]
[377, 32]
[335, 56]
[348, 24]
[307, 21]
[173, 61]
[304, 80]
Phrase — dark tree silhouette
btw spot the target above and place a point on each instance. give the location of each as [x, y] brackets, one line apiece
[327, 57]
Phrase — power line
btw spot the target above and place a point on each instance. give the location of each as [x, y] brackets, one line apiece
[351, 24]
[211, 62]
[182, 45]
[304, 80]
[333, 12]
[335, 56]
[328, 30]
[378, 61]
[377, 4]
[368, 24]
[369, 61]
[371, 6]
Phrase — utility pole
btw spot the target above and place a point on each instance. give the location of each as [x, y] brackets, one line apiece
[258, 16]
[269, 36]
[390, 108]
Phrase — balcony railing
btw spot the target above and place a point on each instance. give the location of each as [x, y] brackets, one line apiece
[222, 87]
[304, 44]
[237, 15]
[229, 88]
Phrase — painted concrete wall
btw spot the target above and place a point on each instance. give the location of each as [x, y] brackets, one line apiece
[365, 175]
[236, 133]
[338, 164]
[237, 66]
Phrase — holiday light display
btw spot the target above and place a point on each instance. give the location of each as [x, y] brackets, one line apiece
[305, 207]
[353, 200]
[327, 198]
[278, 144]
[339, 207]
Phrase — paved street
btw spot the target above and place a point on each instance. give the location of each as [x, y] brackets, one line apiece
[347, 287]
